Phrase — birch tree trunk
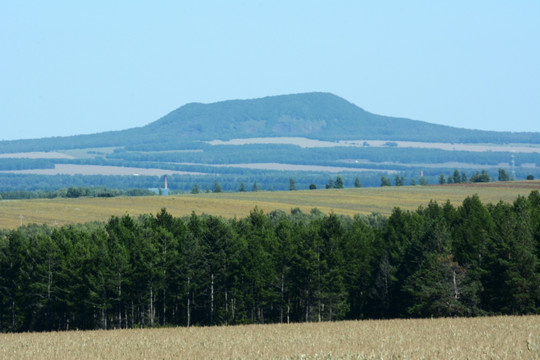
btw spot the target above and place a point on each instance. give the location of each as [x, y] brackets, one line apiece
[212, 299]
[188, 303]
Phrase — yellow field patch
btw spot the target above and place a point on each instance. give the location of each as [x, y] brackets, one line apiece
[344, 201]
[458, 338]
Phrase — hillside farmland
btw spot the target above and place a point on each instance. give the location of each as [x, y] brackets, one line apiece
[345, 201]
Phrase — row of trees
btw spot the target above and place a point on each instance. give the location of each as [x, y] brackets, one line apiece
[338, 184]
[330, 156]
[399, 180]
[48, 186]
[476, 177]
[456, 177]
[34, 186]
[161, 270]
[75, 192]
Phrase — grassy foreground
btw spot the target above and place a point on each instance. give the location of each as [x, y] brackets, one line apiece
[473, 338]
[344, 201]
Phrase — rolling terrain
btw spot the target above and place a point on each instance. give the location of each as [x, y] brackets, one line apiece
[267, 142]
[320, 116]
[310, 137]
[349, 202]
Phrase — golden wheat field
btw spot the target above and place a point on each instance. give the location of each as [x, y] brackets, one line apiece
[343, 201]
[460, 338]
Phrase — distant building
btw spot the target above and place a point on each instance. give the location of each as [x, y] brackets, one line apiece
[160, 191]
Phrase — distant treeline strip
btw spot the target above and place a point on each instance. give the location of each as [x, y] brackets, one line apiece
[389, 158]
[10, 164]
[226, 154]
[74, 192]
[159, 270]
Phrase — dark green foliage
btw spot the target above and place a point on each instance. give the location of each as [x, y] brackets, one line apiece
[242, 187]
[25, 164]
[336, 184]
[339, 182]
[442, 179]
[385, 181]
[293, 154]
[292, 184]
[160, 270]
[503, 175]
[480, 177]
[514, 256]
[75, 192]
[457, 177]
[330, 184]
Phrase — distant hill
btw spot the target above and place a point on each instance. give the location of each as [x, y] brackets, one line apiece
[321, 116]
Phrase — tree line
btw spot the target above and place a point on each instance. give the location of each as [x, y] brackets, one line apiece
[52, 186]
[327, 156]
[160, 270]
[74, 192]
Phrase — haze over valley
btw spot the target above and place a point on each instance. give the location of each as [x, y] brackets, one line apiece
[309, 137]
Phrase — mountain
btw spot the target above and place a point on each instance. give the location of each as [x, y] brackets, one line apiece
[321, 116]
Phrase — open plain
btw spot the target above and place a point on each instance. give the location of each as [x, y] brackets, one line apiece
[365, 201]
[457, 338]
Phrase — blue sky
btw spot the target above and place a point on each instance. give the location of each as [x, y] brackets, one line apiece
[83, 67]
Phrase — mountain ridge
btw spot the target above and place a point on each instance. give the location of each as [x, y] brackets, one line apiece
[314, 115]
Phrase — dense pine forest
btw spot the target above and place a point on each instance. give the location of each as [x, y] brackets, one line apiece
[158, 270]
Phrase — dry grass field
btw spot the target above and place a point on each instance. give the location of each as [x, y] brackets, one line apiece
[344, 201]
[474, 338]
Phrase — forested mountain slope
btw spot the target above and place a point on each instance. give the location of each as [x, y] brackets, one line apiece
[321, 116]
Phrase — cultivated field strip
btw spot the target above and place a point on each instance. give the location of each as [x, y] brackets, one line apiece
[343, 201]
[458, 338]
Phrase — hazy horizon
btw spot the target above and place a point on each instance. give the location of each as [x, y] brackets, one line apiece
[83, 68]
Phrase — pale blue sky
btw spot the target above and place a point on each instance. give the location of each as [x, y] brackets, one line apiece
[73, 67]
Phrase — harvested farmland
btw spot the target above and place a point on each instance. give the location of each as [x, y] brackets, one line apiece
[343, 201]
[508, 337]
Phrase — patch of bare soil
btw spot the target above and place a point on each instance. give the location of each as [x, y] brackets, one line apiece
[37, 155]
[309, 143]
[70, 169]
